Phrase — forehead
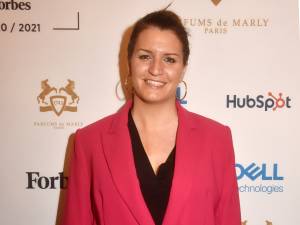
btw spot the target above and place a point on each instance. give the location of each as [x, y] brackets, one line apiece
[157, 40]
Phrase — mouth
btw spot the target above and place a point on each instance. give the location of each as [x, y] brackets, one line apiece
[154, 83]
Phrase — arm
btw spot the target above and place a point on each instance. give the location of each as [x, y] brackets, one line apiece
[228, 208]
[77, 209]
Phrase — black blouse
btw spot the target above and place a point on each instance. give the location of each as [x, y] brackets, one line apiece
[155, 188]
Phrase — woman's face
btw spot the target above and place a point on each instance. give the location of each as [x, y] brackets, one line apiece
[156, 65]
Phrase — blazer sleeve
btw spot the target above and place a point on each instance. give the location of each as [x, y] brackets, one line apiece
[77, 208]
[228, 208]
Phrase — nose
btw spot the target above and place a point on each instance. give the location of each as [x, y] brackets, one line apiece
[156, 67]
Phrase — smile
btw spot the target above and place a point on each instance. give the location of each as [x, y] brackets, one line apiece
[155, 83]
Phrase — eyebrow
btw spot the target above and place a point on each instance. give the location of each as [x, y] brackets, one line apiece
[141, 49]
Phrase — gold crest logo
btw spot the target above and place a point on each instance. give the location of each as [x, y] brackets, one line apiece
[216, 2]
[58, 101]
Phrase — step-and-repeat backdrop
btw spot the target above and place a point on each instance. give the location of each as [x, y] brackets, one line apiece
[61, 62]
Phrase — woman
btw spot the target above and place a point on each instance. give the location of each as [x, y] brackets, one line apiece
[153, 162]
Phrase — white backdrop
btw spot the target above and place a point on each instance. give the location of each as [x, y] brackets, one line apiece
[54, 52]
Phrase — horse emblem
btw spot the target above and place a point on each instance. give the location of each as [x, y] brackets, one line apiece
[69, 89]
[46, 90]
[58, 101]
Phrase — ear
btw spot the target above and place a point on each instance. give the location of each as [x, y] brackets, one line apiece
[128, 67]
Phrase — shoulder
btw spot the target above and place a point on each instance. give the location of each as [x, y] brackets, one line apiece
[203, 122]
[108, 123]
[96, 128]
[217, 133]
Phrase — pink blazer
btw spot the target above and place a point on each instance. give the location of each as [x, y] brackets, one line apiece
[103, 188]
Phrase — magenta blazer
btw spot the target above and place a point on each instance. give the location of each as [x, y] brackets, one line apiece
[103, 187]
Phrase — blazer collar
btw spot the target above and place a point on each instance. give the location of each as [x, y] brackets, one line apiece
[121, 117]
[119, 156]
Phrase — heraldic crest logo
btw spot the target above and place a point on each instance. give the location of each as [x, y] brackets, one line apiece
[58, 100]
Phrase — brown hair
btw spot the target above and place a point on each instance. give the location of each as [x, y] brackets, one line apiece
[165, 20]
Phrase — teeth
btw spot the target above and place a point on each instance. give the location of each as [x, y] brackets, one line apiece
[155, 83]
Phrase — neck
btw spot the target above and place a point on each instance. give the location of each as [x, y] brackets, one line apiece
[151, 116]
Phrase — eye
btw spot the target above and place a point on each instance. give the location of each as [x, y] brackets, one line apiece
[169, 59]
[144, 57]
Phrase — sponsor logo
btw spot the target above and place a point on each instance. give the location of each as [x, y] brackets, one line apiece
[254, 172]
[216, 25]
[35, 181]
[58, 100]
[271, 102]
[264, 178]
[13, 5]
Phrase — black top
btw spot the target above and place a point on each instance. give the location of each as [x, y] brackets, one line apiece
[155, 188]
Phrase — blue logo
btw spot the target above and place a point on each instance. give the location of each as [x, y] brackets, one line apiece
[263, 178]
[254, 172]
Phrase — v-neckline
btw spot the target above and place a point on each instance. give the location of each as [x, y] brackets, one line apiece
[145, 156]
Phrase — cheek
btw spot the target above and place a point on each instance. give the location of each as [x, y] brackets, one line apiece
[175, 73]
[138, 68]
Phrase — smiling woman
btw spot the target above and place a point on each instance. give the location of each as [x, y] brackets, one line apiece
[153, 162]
[156, 66]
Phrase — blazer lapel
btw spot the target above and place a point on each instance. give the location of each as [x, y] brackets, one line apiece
[188, 150]
[118, 152]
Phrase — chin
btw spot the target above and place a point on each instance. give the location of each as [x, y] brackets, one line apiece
[154, 99]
